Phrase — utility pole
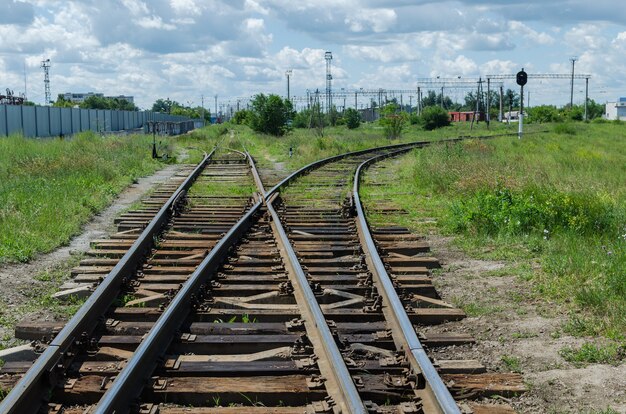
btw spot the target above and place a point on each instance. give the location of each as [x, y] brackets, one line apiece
[203, 122]
[571, 99]
[25, 82]
[501, 117]
[329, 78]
[288, 74]
[216, 113]
[45, 64]
[356, 103]
[487, 115]
[419, 100]
[442, 97]
[586, 96]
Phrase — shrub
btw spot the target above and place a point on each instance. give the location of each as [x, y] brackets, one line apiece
[533, 211]
[544, 113]
[434, 117]
[393, 122]
[242, 117]
[352, 118]
[565, 128]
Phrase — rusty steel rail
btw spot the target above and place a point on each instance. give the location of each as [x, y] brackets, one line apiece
[47, 370]
[405, 331]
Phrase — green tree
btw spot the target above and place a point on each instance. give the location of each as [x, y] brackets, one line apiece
[544, 113]
[433, 99]
[353, 118]
[594, 109]
[100, 102]
[163, 105]
[61, 102]
[470, 100]
[333, 116]
[510, 100]
[270, 114]
[434, 117]
[392, 121]
[242, 117]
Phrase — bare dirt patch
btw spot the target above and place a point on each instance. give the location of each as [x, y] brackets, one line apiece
[518, 331]
[18, 281]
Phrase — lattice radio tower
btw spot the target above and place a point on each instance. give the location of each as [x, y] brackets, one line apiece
[329, 80]
[45, 64]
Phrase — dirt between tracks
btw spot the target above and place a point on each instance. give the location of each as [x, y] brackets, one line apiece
[18, 280]
[517, 331]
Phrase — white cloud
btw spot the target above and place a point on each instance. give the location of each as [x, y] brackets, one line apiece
[519, 28]
[183, 48]
[136, 7]
[377, 20]
[496, 66]
[154, 22]
[186, 7]
[393, 52]
[462, 66]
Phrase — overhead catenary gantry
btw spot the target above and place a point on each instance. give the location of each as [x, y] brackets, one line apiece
[570, 76]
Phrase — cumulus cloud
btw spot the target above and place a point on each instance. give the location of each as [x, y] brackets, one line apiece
[16, 12]
[183, 48]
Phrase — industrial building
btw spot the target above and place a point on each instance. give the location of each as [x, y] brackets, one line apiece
[616, 110]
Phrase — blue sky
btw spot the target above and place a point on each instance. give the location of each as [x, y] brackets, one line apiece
[183, 49]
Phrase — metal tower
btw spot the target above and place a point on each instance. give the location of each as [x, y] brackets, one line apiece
[45, 64]
[329, 80]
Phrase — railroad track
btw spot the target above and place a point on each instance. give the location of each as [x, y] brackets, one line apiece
[221, 302]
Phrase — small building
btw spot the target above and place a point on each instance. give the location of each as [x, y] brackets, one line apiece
[616, 110]
[466, 116]
[510, 116]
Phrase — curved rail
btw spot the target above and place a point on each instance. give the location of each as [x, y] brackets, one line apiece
[416, 353]
[27, 394]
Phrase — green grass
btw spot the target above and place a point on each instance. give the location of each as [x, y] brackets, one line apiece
[555, 200]
[512, 363]
[590, 353]
[308, 146]
[38, 295]
[50, 188]
[189, 148]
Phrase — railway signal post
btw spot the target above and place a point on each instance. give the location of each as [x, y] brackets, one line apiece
[522, 78]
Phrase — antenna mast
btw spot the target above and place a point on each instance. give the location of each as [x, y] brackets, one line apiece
[45, 64]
